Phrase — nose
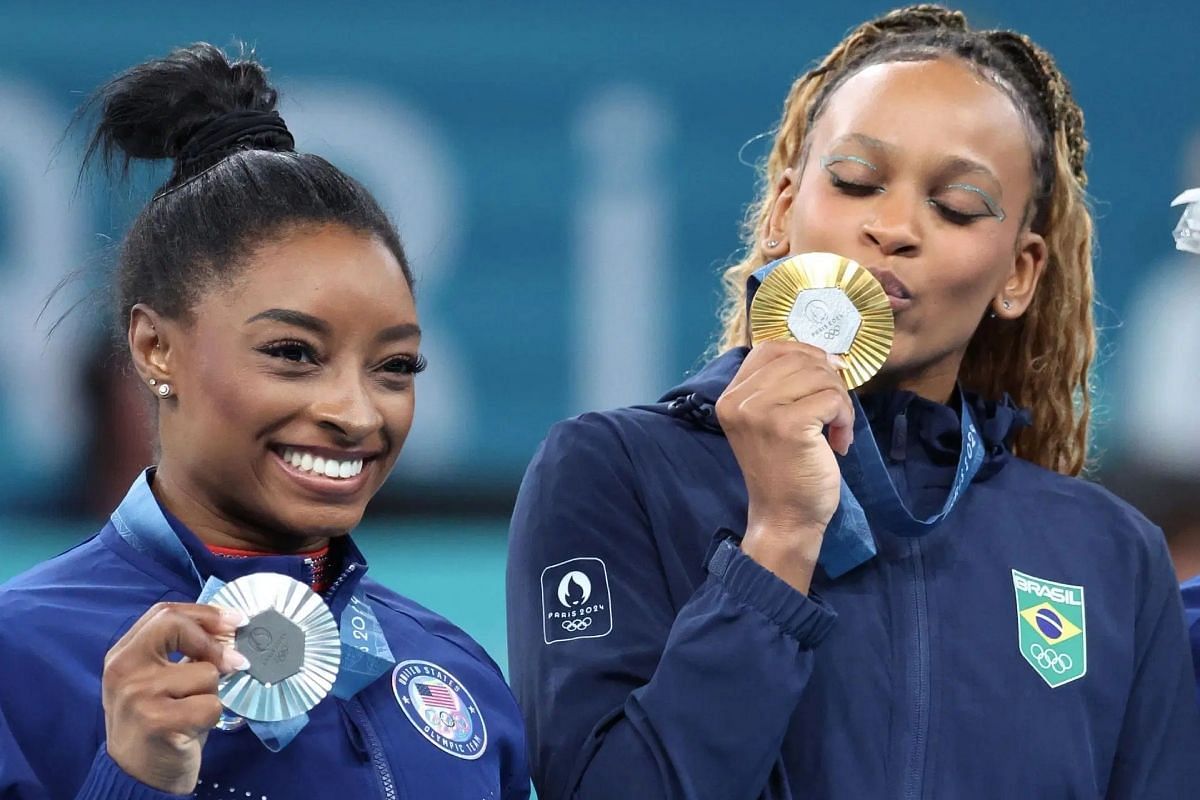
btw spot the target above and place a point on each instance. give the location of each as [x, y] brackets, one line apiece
[348, 409]
[893, 227]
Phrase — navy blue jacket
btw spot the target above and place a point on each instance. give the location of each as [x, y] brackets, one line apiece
[652, 658]
[1191, 605]
[59, 620]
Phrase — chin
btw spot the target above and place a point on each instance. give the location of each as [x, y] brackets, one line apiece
[323, 522]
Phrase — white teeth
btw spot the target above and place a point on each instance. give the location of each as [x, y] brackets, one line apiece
[319, 465]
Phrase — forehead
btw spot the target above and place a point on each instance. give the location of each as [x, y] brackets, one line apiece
[940, 107]
[332, 272]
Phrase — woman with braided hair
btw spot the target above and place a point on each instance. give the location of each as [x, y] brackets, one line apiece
[219, 637]
[678, 627]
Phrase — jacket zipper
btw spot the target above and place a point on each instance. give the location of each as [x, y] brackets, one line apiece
[918, 657]
[378, 759]
[346, 573]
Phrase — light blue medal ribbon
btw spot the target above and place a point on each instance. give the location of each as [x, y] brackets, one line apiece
[365, 652]
[868, 493]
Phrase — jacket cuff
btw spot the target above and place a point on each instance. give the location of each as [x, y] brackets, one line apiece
[107, 781]
[806, 618]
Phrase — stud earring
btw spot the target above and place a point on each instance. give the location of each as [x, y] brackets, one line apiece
[164, 390]
[773, 243]
[153, 382]
[1007, 305]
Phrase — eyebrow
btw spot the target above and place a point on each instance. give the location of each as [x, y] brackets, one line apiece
[288, 316]
[866, 141]
[953, 165]
[957, 165]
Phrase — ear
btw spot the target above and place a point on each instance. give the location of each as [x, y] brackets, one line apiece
[774, 243]
[1016, 295]
[150, 344]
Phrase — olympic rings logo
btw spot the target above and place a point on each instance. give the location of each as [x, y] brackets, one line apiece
[1049, 659]
[576, 625]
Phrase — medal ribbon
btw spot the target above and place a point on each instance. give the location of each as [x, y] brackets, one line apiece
[868, 494]
[365, 652]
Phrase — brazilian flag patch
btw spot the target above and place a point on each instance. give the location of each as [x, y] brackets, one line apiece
[1052, 628]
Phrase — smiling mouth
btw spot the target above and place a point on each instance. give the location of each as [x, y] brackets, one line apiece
[317, 465]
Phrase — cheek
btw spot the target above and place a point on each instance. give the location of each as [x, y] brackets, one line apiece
[398, 410]
[820, 221]
[967, 266]
[236, 397]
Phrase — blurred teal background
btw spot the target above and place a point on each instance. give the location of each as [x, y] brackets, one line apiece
[569, 179]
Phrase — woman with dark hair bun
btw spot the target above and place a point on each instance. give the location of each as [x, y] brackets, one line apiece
[219, 637]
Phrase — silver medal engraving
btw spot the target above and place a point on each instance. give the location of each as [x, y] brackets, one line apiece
[291, 642]
[824, 318]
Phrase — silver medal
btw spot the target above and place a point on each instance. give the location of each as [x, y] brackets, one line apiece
[291, 642]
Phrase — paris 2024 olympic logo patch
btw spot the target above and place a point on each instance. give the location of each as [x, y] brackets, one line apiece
[576, 602]
[441, 708]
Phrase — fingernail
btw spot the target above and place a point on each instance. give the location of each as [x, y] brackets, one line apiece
[233, 661]
[234, 617]
[838, 361]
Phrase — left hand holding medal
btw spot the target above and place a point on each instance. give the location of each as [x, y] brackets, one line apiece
[158, 713]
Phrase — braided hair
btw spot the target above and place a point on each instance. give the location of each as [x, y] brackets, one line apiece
[1042, 359]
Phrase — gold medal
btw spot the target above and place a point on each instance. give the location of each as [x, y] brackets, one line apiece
[830, 302]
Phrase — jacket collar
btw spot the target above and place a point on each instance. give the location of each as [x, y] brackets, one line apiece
[153, 531]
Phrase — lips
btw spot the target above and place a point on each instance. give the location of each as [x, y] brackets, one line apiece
[892, 286]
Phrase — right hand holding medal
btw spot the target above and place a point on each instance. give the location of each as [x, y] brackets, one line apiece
[774, 414]
[157, 713]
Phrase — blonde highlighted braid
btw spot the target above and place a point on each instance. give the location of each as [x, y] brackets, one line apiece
[1042, 359]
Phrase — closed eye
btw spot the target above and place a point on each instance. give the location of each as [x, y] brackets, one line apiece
[862, 171]
[955, 216]
[854, 189]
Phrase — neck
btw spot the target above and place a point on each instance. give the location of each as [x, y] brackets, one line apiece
[935, 383]
[217, 529]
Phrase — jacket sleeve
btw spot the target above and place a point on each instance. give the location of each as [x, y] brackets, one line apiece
[684, 697]
[105, 780]
[1158, 753]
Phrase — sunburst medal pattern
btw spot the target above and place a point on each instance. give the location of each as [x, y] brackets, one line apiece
[830, 302]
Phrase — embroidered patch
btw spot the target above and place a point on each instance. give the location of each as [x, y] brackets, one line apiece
[576, 603]
[441, 708]
[1052, 629]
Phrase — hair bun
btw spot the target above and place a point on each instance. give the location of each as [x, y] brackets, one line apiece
[153, 110]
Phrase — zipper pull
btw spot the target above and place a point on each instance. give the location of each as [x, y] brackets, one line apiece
[899, 449]
[355, 734]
